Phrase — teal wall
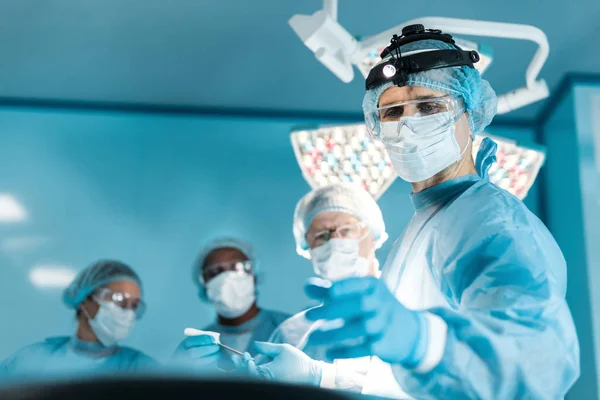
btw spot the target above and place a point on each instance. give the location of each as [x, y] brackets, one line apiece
[587, 113]
[572, 211]
[149, 190]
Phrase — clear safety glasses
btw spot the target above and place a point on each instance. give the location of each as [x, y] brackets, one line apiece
[239, 266]
[424, 117]
[122, 300]
[349, 231]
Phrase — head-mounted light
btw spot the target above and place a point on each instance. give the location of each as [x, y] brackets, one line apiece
[395, 67]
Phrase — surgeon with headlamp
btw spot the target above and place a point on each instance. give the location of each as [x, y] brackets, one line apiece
[471, 301]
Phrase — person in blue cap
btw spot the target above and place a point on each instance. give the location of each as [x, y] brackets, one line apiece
[225, 273]
[107, 297]
[471, 300]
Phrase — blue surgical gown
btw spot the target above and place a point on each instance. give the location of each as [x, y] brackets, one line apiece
[68, 357]
[502, 279]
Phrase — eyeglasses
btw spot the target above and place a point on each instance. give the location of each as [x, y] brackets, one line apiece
[239, 266]
[348, 231]
[122, 300]
[442, 111]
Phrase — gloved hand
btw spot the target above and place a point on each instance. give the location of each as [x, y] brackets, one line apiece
[289, 364]
[372, 316]
[198, 352]
[245, 365]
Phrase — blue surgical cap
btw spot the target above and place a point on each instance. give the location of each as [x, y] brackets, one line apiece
[348, 198]
[479, 97]
[220, 243]
[97, 275]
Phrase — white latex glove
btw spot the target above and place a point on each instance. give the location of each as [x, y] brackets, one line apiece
[289, 364]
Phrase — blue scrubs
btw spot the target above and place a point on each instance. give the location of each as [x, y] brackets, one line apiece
[502, 281]
[69, 356]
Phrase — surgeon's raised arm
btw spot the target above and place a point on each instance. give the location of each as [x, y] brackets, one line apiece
[511, 334]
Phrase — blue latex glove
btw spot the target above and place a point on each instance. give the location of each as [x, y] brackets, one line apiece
[201, 352]
[372, 316]
[289, 364]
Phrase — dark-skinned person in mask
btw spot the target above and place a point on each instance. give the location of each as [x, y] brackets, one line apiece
[226, 272]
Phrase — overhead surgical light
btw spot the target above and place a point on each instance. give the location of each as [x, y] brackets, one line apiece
[338, 50]
[343, 154]
[516, 167]
[346, 153]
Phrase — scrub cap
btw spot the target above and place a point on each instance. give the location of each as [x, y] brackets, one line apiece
[220, 243]
[343, 197]
[479, 97]
[97, 275]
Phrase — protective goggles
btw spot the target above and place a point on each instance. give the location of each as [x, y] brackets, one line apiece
[239, 266]
[123, 300]
[424, 117]
[348, 231]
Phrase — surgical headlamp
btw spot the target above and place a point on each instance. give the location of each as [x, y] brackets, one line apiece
[396, 67]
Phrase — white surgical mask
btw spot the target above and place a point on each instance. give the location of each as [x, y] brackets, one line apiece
[111, 323]
[339, 259]
[418, 157]
[232, 293]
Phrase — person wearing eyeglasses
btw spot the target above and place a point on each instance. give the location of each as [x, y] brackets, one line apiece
[338, 227]
[107, 297]
[226, 275]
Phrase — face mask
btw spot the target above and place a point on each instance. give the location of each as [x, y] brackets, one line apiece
[112, 323]
[231, 293]
[418, 157]
[339, 259]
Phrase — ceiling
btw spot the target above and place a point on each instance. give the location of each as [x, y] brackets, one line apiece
[242, 54]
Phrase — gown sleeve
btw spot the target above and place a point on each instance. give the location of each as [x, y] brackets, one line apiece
[511, 334]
